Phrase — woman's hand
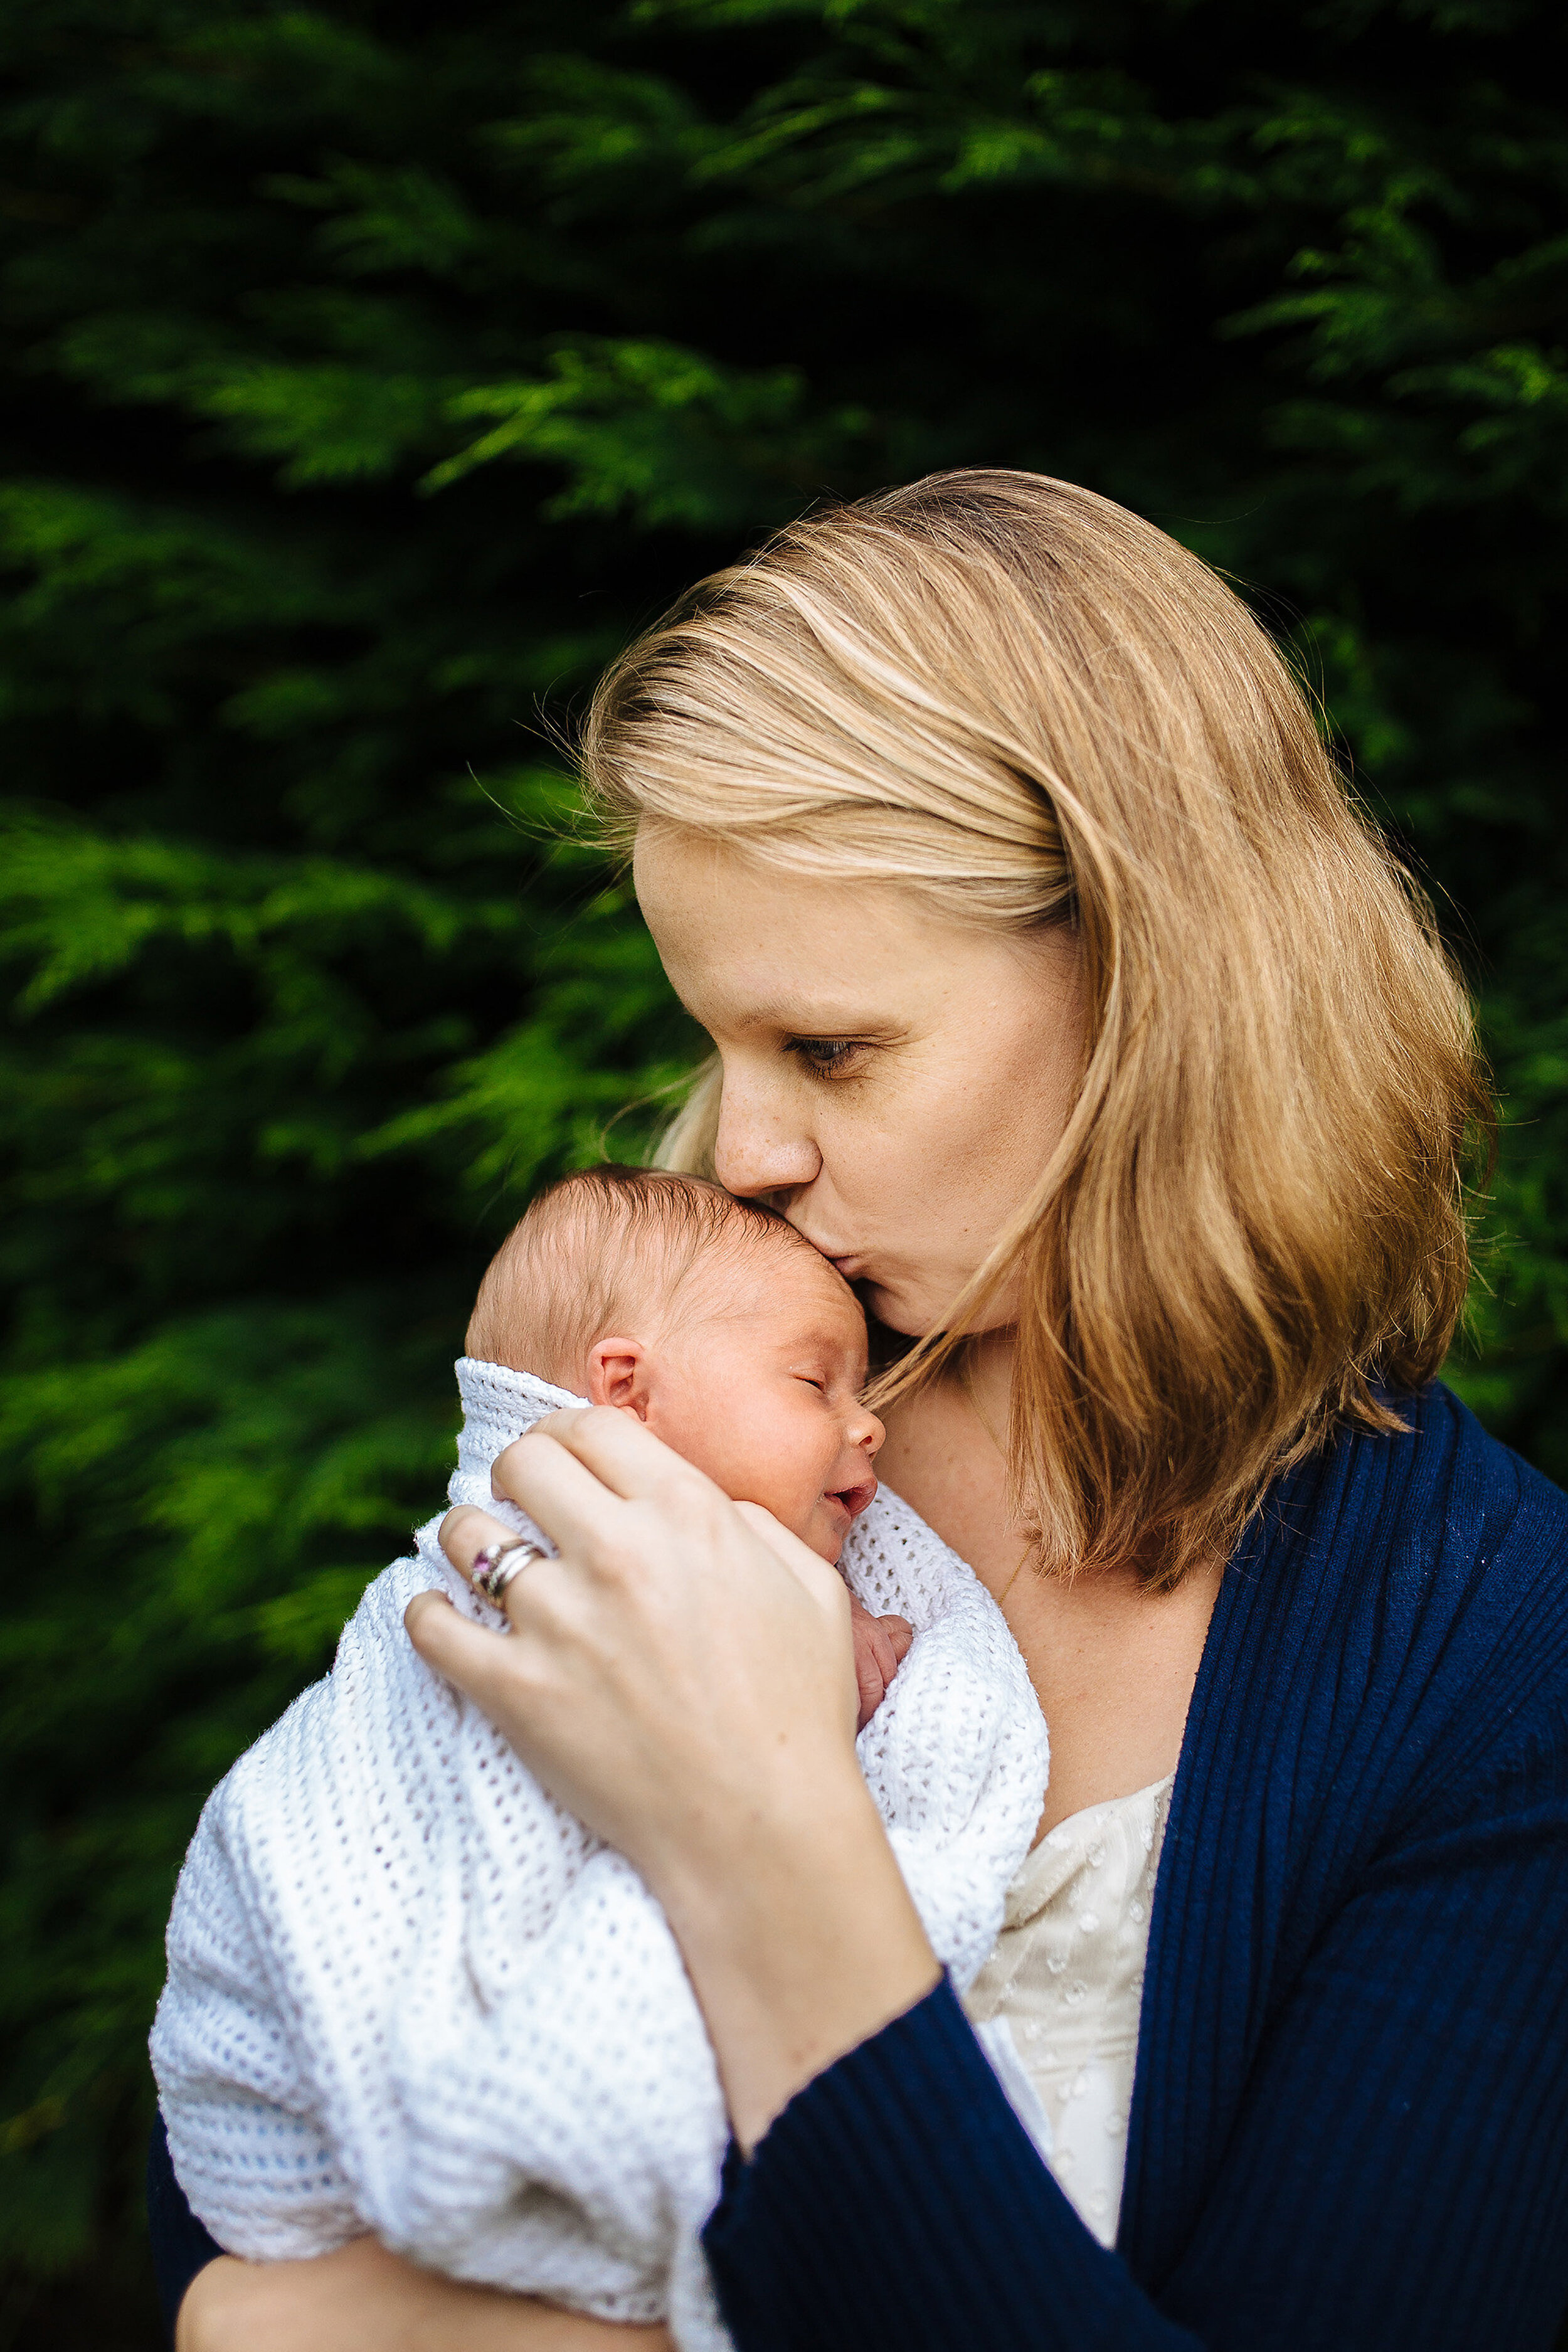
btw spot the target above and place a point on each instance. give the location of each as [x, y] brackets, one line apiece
[671, 1617]
[681, 1677]
[362, 2299]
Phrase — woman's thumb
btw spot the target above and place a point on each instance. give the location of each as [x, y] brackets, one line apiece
[824, 1583]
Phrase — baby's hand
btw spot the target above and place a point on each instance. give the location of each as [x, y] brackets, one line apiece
[879, 1645]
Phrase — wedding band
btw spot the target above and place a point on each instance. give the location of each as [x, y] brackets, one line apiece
[495, 1567]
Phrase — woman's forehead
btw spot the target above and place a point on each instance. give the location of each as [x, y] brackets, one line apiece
[708, 887]
[748, 942]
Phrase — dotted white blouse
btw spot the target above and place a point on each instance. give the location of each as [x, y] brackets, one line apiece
[1065, 1981]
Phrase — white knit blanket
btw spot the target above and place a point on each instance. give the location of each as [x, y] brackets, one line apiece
[409, 1993]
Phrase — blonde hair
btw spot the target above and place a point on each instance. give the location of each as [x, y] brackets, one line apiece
[605, 1249]
[1030, 707]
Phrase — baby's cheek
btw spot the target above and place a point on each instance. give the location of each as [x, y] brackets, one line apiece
[700, 1438]
[720, 1438]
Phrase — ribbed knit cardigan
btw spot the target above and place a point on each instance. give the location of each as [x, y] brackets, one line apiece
[1350, 2122]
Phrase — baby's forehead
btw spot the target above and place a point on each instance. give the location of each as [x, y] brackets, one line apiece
[787, 1292]
[646, 1253]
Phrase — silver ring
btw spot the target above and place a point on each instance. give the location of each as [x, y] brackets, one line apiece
[495, 1567]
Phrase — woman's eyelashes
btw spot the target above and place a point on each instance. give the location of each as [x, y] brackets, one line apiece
[827, 1057]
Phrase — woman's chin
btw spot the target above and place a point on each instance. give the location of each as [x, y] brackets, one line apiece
[896, 1310]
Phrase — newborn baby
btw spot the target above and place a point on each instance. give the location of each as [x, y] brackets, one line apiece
[696, 1296]
[409, 1992]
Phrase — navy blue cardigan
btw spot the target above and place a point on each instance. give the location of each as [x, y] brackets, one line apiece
[1350, 2125]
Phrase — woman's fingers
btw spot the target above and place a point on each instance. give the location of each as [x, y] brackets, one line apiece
[562, 1490]
[620, 1451]
[558, 1492]
[469, 1656]
[466, 1532]
[823, 1582]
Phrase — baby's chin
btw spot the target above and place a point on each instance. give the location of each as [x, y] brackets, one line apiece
[821, 1529]
[826, 1530]
[824, 1525]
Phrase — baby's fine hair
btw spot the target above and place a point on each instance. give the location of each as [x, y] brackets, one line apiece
[602, 1249]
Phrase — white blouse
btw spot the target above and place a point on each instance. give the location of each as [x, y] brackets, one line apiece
[1062, 1989]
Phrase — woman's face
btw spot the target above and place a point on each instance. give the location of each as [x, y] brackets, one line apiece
[893, 1081]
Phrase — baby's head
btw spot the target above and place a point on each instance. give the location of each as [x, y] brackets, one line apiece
[708, 1318]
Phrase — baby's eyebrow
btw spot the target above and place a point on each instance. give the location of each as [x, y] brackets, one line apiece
[830, 1336]
[834, 1350]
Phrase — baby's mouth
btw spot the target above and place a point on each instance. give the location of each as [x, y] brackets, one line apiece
[854, 1499]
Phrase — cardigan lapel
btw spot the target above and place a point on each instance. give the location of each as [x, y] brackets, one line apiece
[1298, 1713]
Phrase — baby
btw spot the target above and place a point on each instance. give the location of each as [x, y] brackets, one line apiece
[409, 1992]
[694, 1296]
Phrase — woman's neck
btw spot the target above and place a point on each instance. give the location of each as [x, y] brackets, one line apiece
[1114, 1663]
[984, 1373]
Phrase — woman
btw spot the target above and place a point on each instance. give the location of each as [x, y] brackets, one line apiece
[1061, 999]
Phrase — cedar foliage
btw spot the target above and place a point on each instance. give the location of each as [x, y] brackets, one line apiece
[367, 374]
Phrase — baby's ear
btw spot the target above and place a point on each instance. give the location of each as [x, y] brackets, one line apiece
[618, 1375]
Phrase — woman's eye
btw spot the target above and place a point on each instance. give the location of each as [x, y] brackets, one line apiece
[828, 1057]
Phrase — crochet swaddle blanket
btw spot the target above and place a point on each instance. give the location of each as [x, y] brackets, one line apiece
[409, 1993]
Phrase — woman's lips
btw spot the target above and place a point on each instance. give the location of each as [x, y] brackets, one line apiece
[848, 1262]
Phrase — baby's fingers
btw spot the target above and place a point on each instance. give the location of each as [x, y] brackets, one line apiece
[881, 1645]
[901, 1633]
[885, 1639]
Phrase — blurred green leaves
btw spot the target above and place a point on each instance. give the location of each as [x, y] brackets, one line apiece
[648, 431]
[366, 378]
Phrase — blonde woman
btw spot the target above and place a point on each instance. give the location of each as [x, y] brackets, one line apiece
[1060, 997]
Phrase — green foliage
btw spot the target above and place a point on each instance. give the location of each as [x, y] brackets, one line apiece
[367, 375]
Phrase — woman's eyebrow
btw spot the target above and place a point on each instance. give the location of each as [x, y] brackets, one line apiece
[817, 1020]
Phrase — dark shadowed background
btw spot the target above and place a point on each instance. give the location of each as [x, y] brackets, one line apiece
[369, 373]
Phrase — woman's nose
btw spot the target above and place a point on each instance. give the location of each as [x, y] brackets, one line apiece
[758, 1148]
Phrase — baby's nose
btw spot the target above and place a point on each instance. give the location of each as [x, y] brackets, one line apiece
[866, 1430]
